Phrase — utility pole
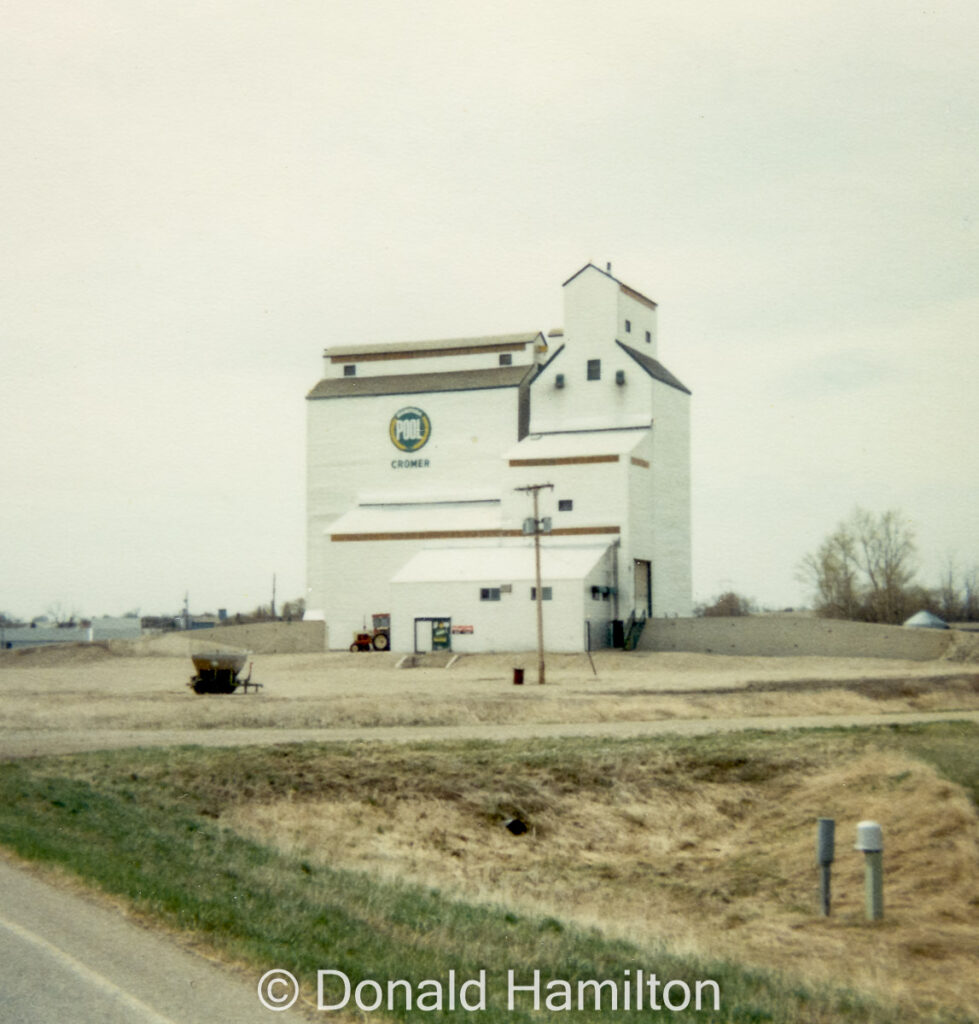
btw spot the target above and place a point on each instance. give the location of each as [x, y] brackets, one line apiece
[537, 526]
[273, 595]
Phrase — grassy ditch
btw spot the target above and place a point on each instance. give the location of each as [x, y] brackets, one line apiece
[950, 746]
[152, 826]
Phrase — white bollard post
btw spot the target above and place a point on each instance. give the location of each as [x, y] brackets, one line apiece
[870, 839]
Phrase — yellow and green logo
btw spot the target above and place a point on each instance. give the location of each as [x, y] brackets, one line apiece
[410, 429]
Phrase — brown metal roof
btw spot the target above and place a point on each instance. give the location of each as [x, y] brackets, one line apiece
[422, 348]
[420, 383]
[654, 368]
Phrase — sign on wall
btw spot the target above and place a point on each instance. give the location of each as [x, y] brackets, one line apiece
[410, 429]
[441, 634]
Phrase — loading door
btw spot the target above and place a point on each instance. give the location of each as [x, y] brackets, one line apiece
[642, 572]
[433, 634]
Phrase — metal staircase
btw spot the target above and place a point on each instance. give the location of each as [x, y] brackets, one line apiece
[633, 631]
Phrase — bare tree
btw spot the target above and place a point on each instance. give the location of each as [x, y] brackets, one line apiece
[970, 595]
[61, 615]
[833, 572]
[727, 604]
[886, 555]
[950, 603]
[864, 569]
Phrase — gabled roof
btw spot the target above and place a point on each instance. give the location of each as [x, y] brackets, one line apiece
[631, 292]
[419, 383]
[654, 368]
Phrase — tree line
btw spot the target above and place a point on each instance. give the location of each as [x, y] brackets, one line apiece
[865, 571]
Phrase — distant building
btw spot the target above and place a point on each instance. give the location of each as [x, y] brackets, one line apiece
[925, 620]
[44, 633]
[415, 452]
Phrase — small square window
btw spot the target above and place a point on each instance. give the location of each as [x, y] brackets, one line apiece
[596, 593]
[350, 370]
[565, 504]
[506, 359]
[628, 326]
[489, 594]
[649, 337]
[545, 593]
[594, 369]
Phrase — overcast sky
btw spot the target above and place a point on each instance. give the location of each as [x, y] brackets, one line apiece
[197, 197]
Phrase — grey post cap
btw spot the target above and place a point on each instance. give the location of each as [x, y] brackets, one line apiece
[870, 837]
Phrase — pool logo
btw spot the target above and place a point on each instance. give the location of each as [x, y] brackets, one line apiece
[410, 429]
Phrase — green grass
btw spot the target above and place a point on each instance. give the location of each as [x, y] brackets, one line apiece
[144, 825]
[951, 747]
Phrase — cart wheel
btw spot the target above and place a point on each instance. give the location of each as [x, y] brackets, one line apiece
[381, 642]
[354, 648]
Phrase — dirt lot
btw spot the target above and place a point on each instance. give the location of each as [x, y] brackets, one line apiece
[87, 690]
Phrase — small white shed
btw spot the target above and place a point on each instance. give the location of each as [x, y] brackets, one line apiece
[482, 599]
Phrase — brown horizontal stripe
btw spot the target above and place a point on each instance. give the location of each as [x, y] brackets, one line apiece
[639, 462]
[565, 460]
[561, 531]
[578, 531]
[424, 353]
[425, 535]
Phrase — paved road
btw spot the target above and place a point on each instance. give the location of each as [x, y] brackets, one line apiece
[65, 958]
[34, 742]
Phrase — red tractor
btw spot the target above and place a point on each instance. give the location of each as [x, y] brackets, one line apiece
[378, 638]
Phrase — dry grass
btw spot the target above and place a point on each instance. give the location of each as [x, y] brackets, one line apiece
[90, 689]
[713, 854]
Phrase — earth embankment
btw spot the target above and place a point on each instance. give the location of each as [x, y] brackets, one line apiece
[805, 636]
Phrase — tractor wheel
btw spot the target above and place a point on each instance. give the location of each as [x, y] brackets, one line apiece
[354, 648]
[381, 642]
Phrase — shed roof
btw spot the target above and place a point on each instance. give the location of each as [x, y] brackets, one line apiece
[494, 565]
[419, 383]
[418, 518]
[578, 444]
[429, 494]
[654, 368]
[489, 341]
